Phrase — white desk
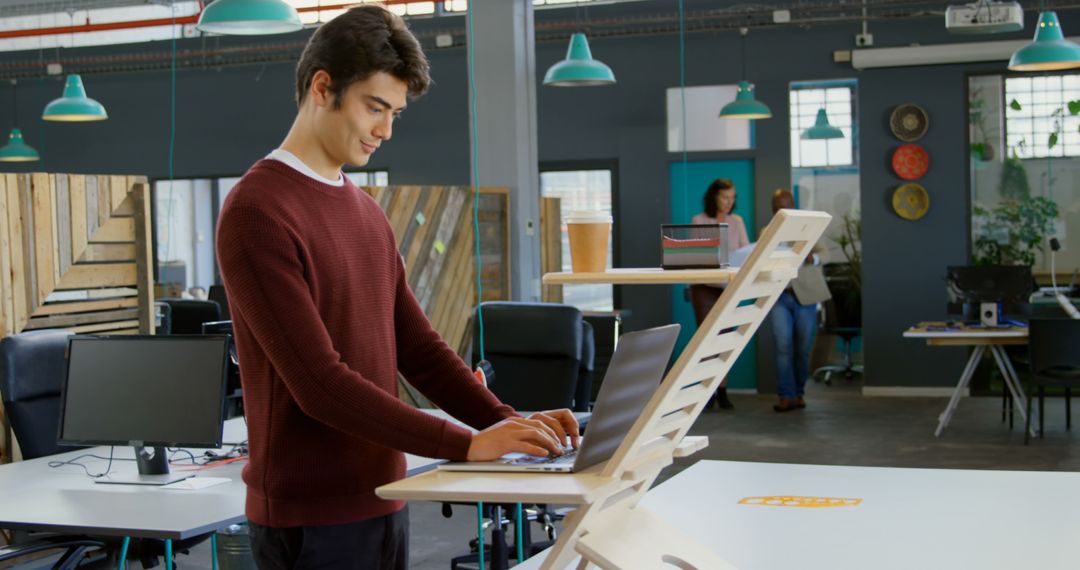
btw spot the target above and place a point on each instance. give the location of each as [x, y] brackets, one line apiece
[34, 496]
[908, 518]
[937, 334]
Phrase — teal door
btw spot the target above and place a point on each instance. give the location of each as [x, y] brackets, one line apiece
[688, 185]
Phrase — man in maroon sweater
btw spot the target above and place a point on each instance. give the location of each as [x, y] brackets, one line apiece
[324, 319]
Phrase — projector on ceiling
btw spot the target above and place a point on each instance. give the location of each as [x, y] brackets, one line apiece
[985, 18]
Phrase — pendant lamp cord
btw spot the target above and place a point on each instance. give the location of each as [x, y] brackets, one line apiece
[682, 94]
[475, 179]
[742, 52]
[15, 101]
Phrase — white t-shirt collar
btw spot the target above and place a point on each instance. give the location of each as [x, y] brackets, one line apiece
[291, 160]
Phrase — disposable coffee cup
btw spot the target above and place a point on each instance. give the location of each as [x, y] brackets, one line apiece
[589, 233]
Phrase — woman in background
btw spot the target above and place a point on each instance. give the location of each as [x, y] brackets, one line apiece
[719, 201]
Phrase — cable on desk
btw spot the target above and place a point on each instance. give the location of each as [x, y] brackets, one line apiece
[75, 461]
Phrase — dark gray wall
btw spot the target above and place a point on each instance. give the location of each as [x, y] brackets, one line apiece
[228, 118]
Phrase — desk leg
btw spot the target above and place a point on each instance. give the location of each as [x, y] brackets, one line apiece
[213, 551]
[1012, 380]
[168, 554]
[965, 378]
[122, 563]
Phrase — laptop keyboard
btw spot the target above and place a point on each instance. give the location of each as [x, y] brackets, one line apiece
[568, 456]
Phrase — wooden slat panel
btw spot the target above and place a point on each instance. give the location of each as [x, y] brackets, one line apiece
[19, 309]
[77, 192]
[115, 230]
[85, 306]
[551, 246]
[99, 275]
[104, 196]
[43, 248]
[67, 321]
[105, 327]
[118, 190]
[26, 205]
[126, 208]
[92, 220]
[144, 256]
[63, 224]
[7, 321]
[109, 252]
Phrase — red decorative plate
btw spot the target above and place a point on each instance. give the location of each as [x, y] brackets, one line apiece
[910, 161]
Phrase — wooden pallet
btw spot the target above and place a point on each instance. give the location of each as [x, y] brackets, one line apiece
[551, 246]
[609, 528]
[75, 253]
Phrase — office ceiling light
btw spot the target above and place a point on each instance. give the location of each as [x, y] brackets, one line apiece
[249, 18]
[579, 69]
[74, 105]
[745, 106]
[1049, 51]
[16, 150]
[822, 129]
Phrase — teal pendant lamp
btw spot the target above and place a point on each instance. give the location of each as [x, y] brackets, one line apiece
[579, 69]
[745, 106]
[822, 129]
[1049, 51]
[249, 18]
[16, 150]
[74, 105]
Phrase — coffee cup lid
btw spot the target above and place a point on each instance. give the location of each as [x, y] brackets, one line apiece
[583, 217]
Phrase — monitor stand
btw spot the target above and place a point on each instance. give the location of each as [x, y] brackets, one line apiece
[153, 465]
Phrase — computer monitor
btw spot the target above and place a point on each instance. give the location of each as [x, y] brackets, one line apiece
[971, 286]
[149, 392]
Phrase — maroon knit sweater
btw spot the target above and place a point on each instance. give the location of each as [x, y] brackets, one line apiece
[323, 318]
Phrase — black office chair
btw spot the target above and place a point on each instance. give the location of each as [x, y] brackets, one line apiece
[843, 318]
[234, 400]
[188, 315]
[543, 357]
[1055, 362]
[33, 366]
[217, 294]
[538, 351]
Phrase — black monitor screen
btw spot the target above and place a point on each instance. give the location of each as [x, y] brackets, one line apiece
[1010, 285]
[144, 390]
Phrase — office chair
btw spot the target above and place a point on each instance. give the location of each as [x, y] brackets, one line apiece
[1054, 362]
[33, 366]
[188, 315]
[234, 397]
[543, 356]
[843, 318]
[537, 352]
[217, 294]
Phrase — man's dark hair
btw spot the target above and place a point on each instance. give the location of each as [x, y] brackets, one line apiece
[358, 44]
[714, 191]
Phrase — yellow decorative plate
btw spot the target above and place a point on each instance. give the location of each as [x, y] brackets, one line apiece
[910, 201]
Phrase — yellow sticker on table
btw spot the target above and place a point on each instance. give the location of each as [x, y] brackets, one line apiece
[440, 246]
[800, 502]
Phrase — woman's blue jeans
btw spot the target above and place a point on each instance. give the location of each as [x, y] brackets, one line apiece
[793, 329]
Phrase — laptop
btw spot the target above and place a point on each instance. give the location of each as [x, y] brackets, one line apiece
[632, 377]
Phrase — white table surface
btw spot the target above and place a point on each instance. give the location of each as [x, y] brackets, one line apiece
[34, 496]
[908, 518]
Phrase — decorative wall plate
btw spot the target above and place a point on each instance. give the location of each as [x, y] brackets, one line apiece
[910, 201]
[909, 122]
[910, 161]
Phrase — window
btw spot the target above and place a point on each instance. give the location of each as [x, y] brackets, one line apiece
[1036, 108]
[463, 5]
[838, 100]
[78, 13]
[310, 14]
[581, 190]
[186, 214]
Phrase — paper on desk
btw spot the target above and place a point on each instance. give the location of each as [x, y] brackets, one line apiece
[196, 483]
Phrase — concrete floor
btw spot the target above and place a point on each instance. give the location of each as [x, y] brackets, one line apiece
[838, 427]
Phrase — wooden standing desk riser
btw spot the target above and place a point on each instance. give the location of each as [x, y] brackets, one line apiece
[607, 495]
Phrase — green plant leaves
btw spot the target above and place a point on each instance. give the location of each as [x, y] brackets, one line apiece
[1052, 142]
[1014, 105]
[1074, 107]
